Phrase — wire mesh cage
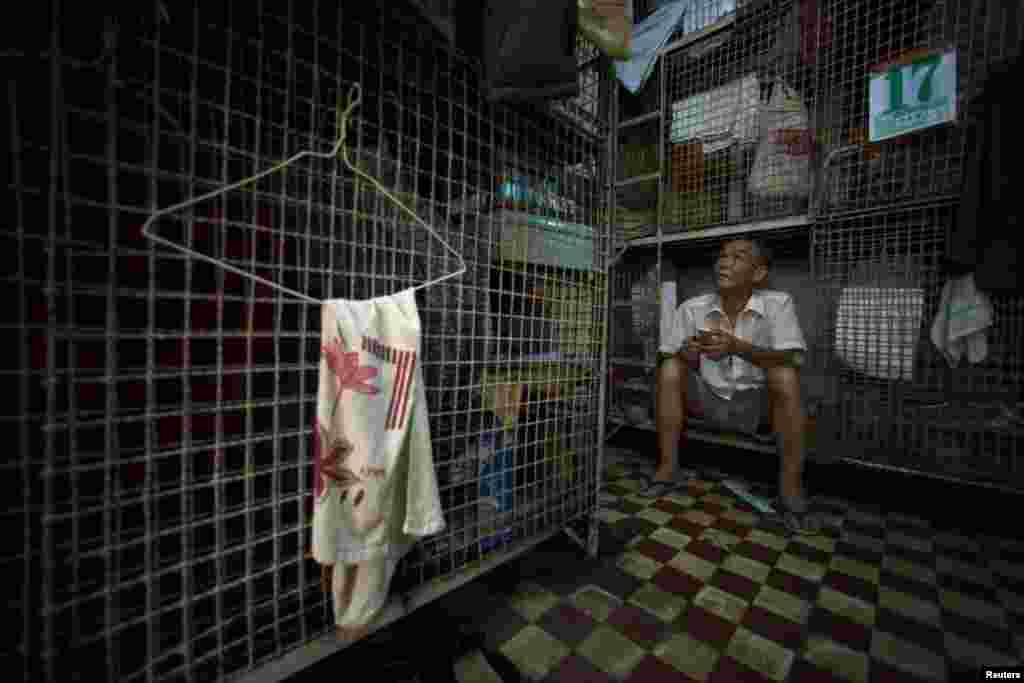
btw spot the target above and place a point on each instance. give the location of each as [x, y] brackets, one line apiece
[164, 404]
[899, 403]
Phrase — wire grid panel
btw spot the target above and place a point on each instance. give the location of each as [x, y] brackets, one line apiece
[868, 37]
[879, 278]
[738, 133]
[165, 405]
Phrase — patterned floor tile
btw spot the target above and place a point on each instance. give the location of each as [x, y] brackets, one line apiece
[532, 601]
[851, 585]
[954, 567]
[998, 639]
[501, 624]
[776, 628]
[906, 657]
[595, 603]
[910, 630]
[768, 540]
[688, 656]
[978, 610]
[861, 570]
[611, 652]
[613, 580]
[638, 565]
[534, 652]
[760, 654]
[731, 671]
[699, 517]
[676, 582]
[805, 672]
[757, 552]
[654, 670]
[841, 661]
[846, 632]
[631, 508]
[655, 516]
[744, 566]
[825, 544]
[721, 603]
[697, 567]
[783, 603]
[910, 570]
[861, 548]
[808, 552]
[684, 500]
[576, 669]
[793, 585]
[670, 538]
[568, 624]
[658, 602]
[977, 655]
[706, 627]
[739, 517]
[673, 506]
[798, 566]
[735, 584]
[655, 550]
[474, 668]
[720, 538]
[896, 519]
[953, 541]
[847, 606]
[921, 591]
[712, 508]
[684, 526]
[882, 672]
[640, 626]
[610, 516]
[910, 607]
[706, 551]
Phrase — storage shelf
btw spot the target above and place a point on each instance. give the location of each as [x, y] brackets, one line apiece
[723, 231]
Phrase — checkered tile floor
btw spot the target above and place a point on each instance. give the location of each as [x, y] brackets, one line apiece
[708, 591]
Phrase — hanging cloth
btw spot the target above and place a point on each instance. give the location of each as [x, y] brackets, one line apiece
[376, 488]
[964, 315]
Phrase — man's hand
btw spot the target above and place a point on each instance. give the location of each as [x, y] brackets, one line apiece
[716, 343]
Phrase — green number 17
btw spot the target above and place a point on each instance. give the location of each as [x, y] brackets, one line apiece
[923, 81]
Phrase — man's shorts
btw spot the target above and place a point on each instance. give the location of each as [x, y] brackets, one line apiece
[746, 412]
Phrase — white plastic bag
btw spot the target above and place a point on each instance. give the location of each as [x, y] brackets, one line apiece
[782, 167]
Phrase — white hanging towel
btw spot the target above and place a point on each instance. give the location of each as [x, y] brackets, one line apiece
[376, 489]
[965, 313]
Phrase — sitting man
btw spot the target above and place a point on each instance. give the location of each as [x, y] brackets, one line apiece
[742, 339]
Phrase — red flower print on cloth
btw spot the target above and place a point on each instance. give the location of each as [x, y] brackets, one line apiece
[331, 455]
[348, 374]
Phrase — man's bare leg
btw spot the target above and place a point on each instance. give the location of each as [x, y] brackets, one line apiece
[670, 406]
[789, 422]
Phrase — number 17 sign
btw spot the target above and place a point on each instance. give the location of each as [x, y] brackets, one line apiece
[913, 95]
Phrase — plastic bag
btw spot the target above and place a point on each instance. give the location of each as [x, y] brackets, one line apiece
[782, 167]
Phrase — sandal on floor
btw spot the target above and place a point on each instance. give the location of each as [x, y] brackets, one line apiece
[802, 523]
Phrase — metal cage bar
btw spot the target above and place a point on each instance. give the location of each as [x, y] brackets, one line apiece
[165, 405]
[878, 214]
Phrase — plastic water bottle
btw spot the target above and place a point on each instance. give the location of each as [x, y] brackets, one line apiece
[496, 453]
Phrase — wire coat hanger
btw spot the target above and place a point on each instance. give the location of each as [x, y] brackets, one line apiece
[339, 148]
